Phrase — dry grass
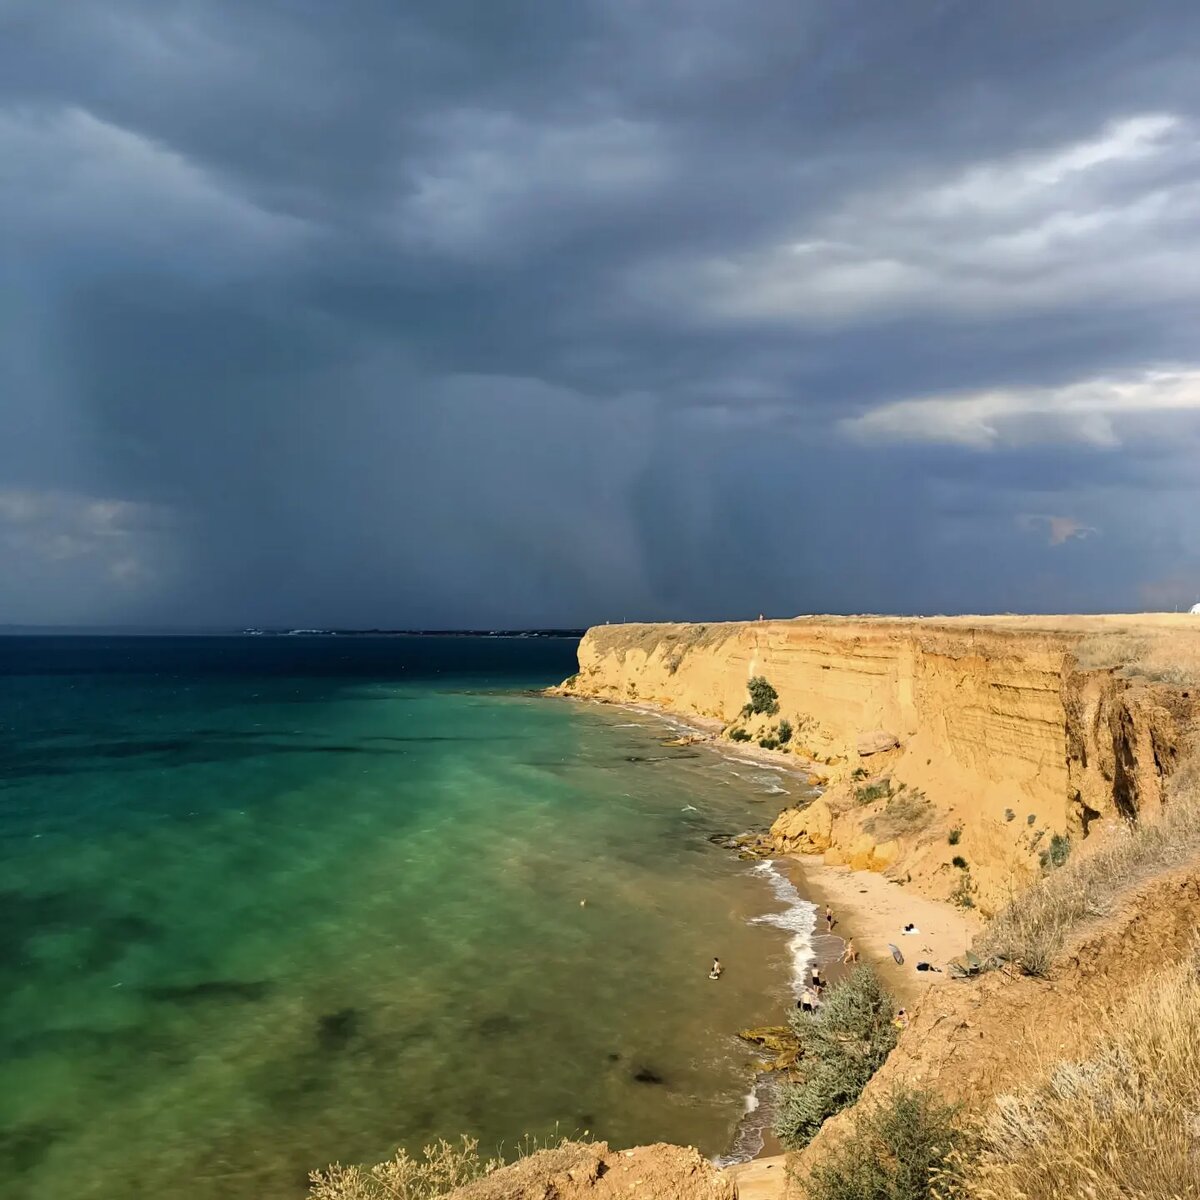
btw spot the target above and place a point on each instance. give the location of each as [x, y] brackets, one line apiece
[906, 814]
[444, 1168]
[440, 1169]
[1122, 1125]
[1154, 655]
[1033, 928]
[673, 642]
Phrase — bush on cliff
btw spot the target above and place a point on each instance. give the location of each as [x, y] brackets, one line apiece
[899, 1149]
[1058, 852]
[763, 697]
[870, 792]
[841, 1046]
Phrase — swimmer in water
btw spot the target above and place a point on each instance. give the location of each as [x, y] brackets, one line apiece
[715, 973]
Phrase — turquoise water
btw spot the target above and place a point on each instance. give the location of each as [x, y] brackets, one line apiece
[270, 903]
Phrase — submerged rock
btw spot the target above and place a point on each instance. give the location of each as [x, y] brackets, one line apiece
[336, 1029]
[779, 1040]
[647, 1075]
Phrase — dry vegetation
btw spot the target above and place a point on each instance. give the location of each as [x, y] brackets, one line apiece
[1156, 656]
[906, 814]
[1121, 1125]
[673, 641]
[1033, 928]
[440, 1169]
[444, 1168]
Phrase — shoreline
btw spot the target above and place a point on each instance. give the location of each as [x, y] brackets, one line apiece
[871, 910]
[798, 917]
[706, 731]
[868, 908]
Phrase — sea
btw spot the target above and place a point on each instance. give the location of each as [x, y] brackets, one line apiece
[269, 903]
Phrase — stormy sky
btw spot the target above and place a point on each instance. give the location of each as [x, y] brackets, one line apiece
[519, 313]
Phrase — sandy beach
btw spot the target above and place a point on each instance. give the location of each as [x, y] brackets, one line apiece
[873, 911]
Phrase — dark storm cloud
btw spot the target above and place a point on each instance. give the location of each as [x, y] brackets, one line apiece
[524, 313]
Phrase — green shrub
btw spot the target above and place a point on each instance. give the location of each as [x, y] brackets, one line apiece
[785, 731]
[872, 792]
[955, 835]
[738, 735]
[959, 862]
[897, 1150]
[763, 697]
[769, 743]
[841, 1046]
[1029, 820]
[1009, 815]
[963, 894]
[859, 773]
[1056, 854]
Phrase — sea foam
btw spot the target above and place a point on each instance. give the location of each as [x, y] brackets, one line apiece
[799, 919]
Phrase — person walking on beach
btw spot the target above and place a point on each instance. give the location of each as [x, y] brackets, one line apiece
[818, 983]
[850, 954]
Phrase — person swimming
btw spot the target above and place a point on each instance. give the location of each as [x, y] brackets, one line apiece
[717, 969]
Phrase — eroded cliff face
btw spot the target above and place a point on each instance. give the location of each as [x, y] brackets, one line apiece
[1003, 736]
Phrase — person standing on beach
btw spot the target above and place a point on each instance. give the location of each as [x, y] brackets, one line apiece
[817, 982]
[828, 919]
[808, 1001]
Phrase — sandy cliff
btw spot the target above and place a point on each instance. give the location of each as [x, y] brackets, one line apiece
[991, 735]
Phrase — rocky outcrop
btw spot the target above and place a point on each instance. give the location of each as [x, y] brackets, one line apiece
[592, 1171]
[957, 749]
[875, 742]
